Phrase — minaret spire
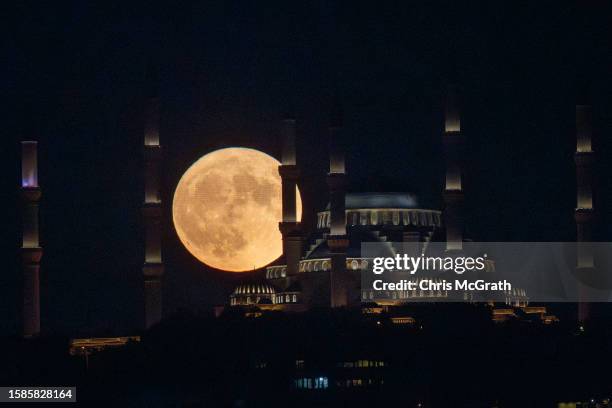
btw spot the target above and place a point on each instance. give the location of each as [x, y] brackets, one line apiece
[337, 240]
[289, 172]
[153, 267]
[453, 191]
[31, 251]
[585, 210]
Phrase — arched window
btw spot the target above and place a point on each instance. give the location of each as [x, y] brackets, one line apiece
[363, 218]
[422, 219]
[413, 218]
[386, 217]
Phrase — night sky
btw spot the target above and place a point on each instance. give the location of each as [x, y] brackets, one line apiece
[75, 75]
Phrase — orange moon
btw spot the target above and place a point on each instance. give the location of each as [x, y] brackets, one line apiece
[227, 207]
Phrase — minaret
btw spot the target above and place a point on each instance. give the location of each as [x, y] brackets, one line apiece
[31, 252]
[585, 211]
[289, 172]
[453, 190]
[337, 239]
[153, 267]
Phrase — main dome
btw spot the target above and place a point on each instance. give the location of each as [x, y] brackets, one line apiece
[380, 200]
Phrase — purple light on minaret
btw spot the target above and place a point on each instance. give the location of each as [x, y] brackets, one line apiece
[31, 252]
[29, 164]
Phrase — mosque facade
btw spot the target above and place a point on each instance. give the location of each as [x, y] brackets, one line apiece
[324, 269]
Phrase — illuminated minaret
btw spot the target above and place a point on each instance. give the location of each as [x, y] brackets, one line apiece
[289, 172]
[31, 252]
[337, 240]
[584, 212]
[453, 190]
[153, 267]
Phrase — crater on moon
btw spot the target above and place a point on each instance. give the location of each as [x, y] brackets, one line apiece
[227, 207]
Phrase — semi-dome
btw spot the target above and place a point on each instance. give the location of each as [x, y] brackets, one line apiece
[355, 238]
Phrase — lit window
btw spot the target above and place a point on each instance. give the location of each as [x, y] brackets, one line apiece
[321, 382]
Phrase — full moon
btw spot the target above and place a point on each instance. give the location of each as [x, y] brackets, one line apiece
[227, 207]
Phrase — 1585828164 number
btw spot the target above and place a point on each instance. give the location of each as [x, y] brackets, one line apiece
[32, 394]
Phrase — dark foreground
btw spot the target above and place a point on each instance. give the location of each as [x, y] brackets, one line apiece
[454, 355]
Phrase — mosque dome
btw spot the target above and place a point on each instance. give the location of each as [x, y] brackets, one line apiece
[380, 200]
[263, 288]
[380, 209]
[252, 293]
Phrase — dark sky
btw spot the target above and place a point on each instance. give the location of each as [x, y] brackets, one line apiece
[74, 77]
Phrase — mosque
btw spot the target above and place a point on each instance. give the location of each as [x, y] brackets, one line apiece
[323, 269]
[370, 217]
